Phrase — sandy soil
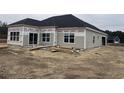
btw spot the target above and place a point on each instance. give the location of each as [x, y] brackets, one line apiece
[98, 63]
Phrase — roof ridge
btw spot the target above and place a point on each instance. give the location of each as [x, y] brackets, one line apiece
[61, 15]
[32, 19]
[56, 16]
[25, 20]
[66, 20]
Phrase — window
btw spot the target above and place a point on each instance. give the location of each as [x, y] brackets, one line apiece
[46, 37]
[33, 38]
[66, 37]
[93, 39]
[69, 37]
[14, 36]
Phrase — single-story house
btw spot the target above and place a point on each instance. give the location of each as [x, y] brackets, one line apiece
[113, 39]
[65, 31]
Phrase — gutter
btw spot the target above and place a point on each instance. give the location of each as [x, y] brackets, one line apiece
[96, 31]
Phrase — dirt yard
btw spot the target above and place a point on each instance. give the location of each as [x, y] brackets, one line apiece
[99, 63]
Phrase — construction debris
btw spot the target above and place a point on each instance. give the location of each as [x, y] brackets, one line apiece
[14, 53]
[57, 49]
[54, 50]
[39, 47]
[2, 45]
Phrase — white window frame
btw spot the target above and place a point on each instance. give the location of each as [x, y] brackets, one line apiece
[69, 34]
[14, 36]
[45, 38]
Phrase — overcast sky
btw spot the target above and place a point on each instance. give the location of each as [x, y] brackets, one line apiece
[103, 21]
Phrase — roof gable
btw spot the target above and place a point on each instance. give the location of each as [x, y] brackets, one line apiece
[28, 21]
[66, 21]
[58, 21]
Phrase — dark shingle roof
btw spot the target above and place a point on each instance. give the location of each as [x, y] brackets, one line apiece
[66, 21]
[58, 21]
[28, 21]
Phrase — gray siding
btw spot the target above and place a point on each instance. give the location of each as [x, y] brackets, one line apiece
[78, 42]
[57, 36]
[46, 43]
[89, 39]
[26, 40]
[27, 31]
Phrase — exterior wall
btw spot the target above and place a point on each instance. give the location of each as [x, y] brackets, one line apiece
[15, 29]
[53, 36]
[79, 37]
[27, 31]
[89, 39]
[83, 37]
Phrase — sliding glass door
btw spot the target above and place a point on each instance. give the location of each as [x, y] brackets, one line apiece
[33, 38]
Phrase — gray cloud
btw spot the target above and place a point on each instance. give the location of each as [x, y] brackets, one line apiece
[102, 21]
[105, 21]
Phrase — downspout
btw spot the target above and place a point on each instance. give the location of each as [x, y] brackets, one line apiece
[22, 35]
[38, 36]
[55, 34]
[85, 38]
[55, 37]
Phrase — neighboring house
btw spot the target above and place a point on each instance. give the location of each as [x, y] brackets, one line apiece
[66, 31]
[113, 39]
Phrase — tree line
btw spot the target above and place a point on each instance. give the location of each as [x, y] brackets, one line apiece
[120, 34]
[3, 30]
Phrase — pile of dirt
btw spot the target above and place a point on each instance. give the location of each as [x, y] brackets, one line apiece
[104, 62]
